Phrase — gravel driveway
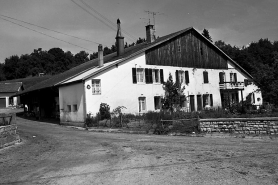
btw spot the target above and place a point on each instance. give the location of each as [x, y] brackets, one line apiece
[53, 154]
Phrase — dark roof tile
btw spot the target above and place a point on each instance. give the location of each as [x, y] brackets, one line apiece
[10, 87]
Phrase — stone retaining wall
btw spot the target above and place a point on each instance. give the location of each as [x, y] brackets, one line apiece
[8, 133]
[240, 125]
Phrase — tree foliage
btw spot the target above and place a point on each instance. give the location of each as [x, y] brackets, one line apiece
[173, 94]
[260, 59]
[51, 62]
[206, 34]
[104, 111]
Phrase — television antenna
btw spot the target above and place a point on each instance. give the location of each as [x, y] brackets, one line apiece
[153, 16]
[149, 20]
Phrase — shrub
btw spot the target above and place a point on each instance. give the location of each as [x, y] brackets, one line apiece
[91, 121]
[104, 111]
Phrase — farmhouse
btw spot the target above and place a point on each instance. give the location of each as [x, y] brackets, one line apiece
[133, 77]
[6, 90]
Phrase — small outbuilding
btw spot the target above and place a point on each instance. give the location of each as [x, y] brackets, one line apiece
[7, 90]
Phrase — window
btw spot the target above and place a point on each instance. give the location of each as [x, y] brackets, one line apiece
[74, 108]
[233, 77]
[69, 108]
[205, 74]
[180, 77]
[183, 102]
[206, 101]
[140, 75]
[156, 78]
[96, 88]
[142, 104]
[221, 77]
[157, 103]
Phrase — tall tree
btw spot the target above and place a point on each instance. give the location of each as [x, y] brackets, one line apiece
[10, 67]
[2, 75]
[206, 34]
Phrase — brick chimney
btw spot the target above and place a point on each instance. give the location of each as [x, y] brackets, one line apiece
[150, 33]
[100, 56]
[119, 39]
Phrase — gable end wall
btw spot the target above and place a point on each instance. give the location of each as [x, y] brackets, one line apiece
[195, 52]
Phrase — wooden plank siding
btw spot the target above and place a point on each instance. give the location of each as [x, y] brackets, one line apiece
[196, 52]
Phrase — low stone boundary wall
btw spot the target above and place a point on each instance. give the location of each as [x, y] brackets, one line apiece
[8, 130]
[240, 125]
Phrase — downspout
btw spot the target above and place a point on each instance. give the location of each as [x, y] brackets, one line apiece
[84, 102]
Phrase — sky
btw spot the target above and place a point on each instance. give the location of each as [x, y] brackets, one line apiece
[236, 22]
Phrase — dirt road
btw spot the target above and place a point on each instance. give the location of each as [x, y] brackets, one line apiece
[52, 154]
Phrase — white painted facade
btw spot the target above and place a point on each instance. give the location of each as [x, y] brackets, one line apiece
[118, 89]
[71, 102]
[14, 101]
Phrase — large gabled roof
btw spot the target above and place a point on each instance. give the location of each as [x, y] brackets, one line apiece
[10, 87]
[129, 52]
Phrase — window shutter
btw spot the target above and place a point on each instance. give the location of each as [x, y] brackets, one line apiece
[192, 103]
[199, 102]
[150, 76]
[211, 100]
[205, 74]
[161, 76]
[235, 77]
[204, 100]
[177, 76]
[186, 77]
[221, 77]
[147, 75]
[134, 79]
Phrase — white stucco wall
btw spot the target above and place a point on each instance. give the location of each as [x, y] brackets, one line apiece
[71, 95]
[117, 88]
